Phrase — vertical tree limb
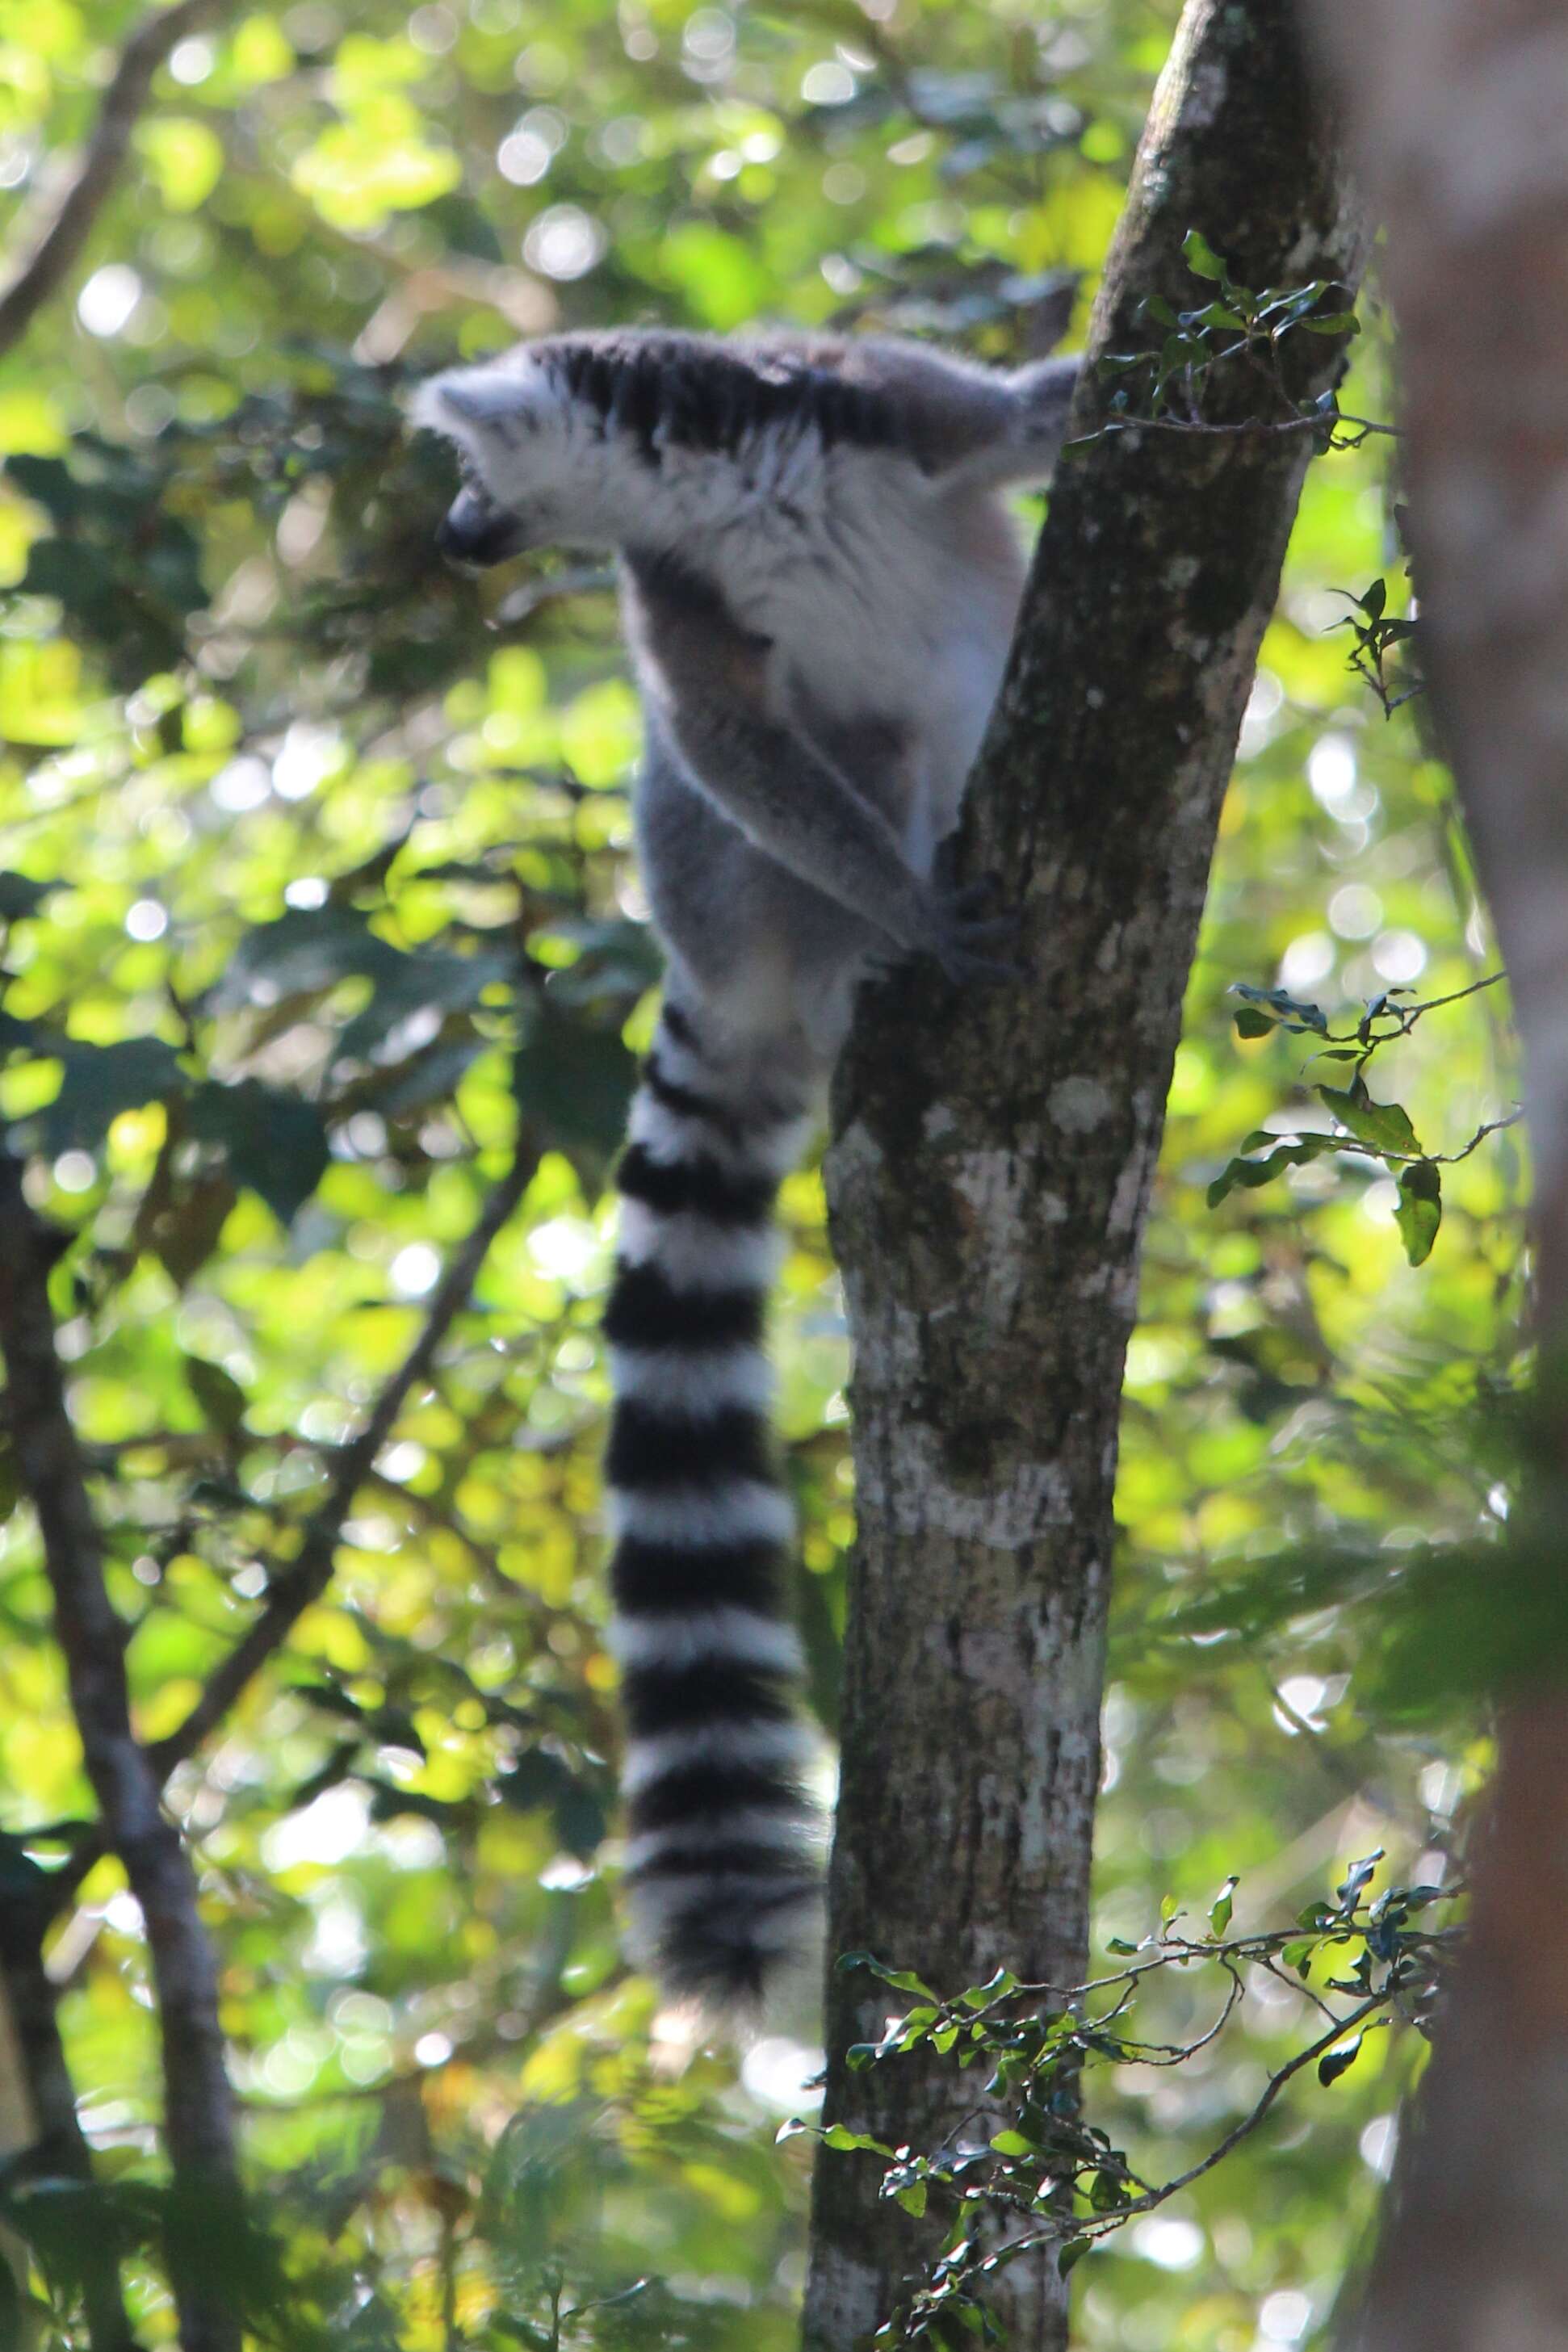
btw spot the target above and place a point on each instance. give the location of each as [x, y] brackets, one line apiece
[199, 2106]
[1458, 119]
[990, 1181]
[37, 2102]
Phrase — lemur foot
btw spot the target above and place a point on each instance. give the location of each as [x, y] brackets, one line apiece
[965, 923]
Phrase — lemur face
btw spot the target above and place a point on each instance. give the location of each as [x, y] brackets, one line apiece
[475, 530]
[511, 447]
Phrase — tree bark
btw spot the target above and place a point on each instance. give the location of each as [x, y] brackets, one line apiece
[1458, 116]
[990, 1179]
[203, 2215]
[40, 2137]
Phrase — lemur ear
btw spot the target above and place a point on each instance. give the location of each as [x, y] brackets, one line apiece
[1026, 429]
[1044, 392]
[467, 400]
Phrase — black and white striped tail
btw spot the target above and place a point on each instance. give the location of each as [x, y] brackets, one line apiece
[720, 1859]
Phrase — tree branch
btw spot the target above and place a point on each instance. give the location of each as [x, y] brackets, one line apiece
[296, 1584]
[52, 2145]
[307, 1576]
[33, 281]
[198, 2111]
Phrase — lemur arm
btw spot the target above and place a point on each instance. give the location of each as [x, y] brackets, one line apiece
[798, 798]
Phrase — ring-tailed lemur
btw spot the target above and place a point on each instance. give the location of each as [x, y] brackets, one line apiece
[820, 583]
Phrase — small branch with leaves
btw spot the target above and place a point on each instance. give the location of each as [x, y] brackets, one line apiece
[1240, 331]
[1378, 632]
[1027, 2171]
[1360, 1128]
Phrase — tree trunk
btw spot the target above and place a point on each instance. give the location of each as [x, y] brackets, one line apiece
[990, 1180]
[203, 2215]
[40, 2137]
[1457, 114]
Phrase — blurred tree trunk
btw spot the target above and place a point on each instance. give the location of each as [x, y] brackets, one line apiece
[1458, 113]
[18, 2130]
[990, 1180]
[40, 2137]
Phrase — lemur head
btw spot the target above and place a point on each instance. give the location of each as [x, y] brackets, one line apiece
[511, 435]
[627, 439]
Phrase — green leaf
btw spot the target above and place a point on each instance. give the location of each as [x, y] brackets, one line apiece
[1013, 2143]
[223, 1402]
[1221, 1908]
[1119, 1944]
[97, 1084]
[1334, 2063]
[1000, 1982]
[1358, 1876]
[1251, 1173]
[184, 157]
[1201, 258]
[904, 1980]
[1419, 1211]
[841, 2136]
[274, 1142]
[1291, 1010]
[1252, 1022]
[1386, 1126]
[1071, 2254]
[20, 895]
[577, 1082]
[912, 2199]
[1170, 1909]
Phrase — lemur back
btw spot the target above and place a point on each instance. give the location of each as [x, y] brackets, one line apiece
[820, 579]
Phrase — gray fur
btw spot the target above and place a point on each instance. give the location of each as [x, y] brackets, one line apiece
[820, 578]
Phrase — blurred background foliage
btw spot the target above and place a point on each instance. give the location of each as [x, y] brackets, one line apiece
[317, 853]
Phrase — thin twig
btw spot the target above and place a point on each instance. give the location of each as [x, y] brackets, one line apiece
[1259, 426]
[34, 280]
[1408, 1015]
[1093, 2225]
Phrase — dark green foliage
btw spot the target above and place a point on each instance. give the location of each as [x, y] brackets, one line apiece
[1040, 2173]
